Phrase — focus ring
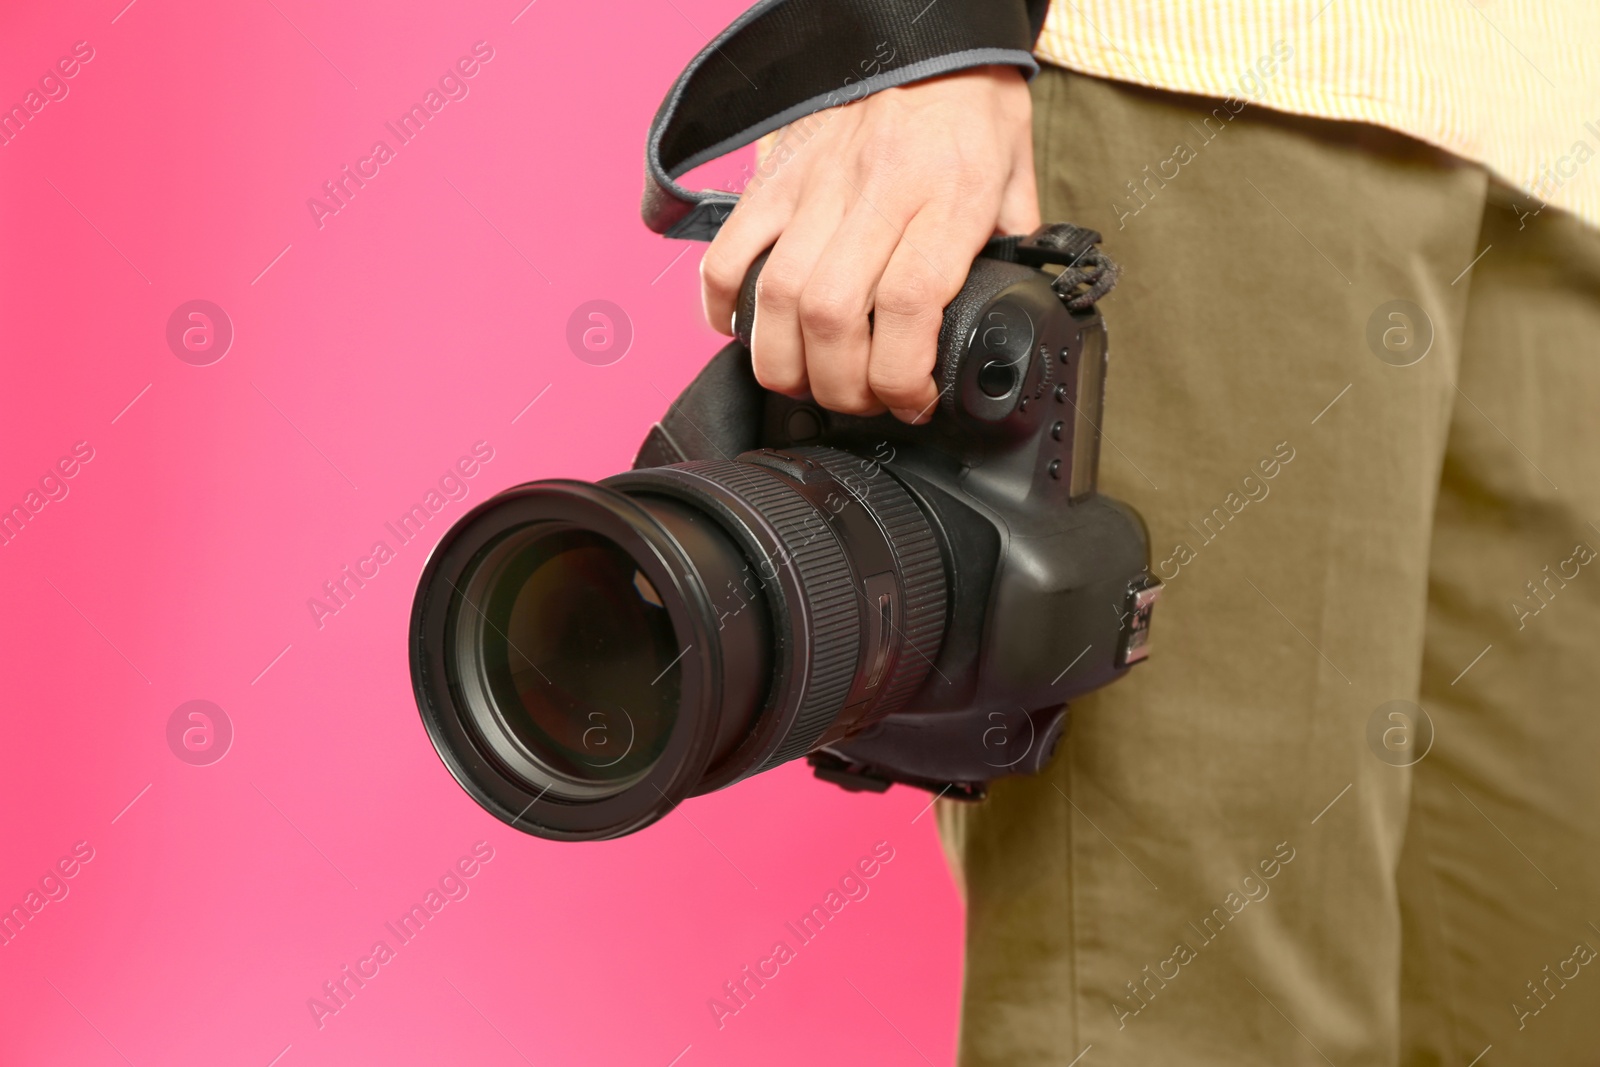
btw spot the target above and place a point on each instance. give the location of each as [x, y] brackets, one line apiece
[819, 560]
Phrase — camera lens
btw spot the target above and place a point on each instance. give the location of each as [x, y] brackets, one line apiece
[587, 656]
[574, 659]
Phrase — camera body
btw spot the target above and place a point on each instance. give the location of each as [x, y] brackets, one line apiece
[1047, 593]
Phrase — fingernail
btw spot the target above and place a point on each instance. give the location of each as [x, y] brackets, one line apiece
[910, 415]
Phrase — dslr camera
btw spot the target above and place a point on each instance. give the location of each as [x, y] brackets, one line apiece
[911, 604]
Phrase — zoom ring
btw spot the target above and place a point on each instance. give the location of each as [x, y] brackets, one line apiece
[808, 545]
[918, 562]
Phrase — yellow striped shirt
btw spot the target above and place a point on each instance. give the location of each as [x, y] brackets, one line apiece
[1511, 84]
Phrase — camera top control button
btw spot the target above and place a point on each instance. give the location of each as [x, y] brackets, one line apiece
[1000, 366]
[997, 378]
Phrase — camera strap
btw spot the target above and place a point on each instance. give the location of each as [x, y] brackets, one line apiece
[1087, 273]
[785, 59]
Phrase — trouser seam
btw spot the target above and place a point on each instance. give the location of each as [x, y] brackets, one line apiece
[1443, 985]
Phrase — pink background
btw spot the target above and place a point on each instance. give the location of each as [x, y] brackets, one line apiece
[372, 354]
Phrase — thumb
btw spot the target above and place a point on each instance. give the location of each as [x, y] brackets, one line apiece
[1019, 201]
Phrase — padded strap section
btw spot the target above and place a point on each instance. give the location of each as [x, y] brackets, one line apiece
[784, 59]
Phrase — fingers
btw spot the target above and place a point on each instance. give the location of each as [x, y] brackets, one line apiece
[924, 274]
[1019, 203]
[749, 231]
[1019, 199]
[777, 344]
[837, 298]
[877, 211]
[764, 210]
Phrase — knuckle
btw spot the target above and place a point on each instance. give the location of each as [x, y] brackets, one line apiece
[967, 176]
[891, 150]
[719, 271]
[779, 287]
[957, 173]
[908, 295]
[826, 313]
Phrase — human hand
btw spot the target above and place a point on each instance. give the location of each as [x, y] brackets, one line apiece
[877, 206]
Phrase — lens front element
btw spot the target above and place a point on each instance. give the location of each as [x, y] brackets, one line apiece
[573, 659]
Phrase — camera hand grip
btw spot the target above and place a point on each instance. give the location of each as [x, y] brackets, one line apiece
[985, 281]
[744, 312]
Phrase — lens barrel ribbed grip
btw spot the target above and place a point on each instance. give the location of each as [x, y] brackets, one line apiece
[805, 544]
[821, 528]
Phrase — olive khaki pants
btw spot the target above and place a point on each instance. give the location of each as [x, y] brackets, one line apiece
[1348, 812]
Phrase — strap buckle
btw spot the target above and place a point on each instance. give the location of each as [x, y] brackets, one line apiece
[1087, 273]
[1058, 243]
